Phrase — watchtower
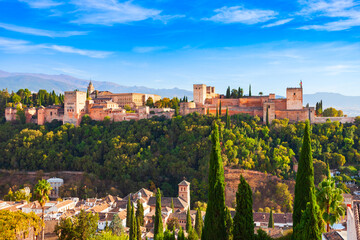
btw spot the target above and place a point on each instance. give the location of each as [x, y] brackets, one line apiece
[199, 93]
[90, 88]
[184, 191]
[294, 98]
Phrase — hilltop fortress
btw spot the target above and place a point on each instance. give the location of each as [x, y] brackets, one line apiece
[104, 104]
[98, 106]
[266, 107]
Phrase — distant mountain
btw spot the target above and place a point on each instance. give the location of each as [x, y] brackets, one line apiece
[61, 83]
[349, 104]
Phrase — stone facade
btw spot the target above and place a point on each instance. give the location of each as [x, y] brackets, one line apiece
[291, 107]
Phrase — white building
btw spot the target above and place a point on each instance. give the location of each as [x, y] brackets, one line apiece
[55, 183]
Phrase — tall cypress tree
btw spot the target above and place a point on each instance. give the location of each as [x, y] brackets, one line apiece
[138, 229]
[228, 94]
[172, 205]
[158, 224]
[140, 213]
[243, 219]
[214, 227]
[250, 90]
[311, 225]
[271, 220]
[128, 213]
[132, 230]
[217, 112]
[229, 225]
[304, 177]
[198, 223]
[227, 119]
[239, 93]
[220, 108]
[188, 221]
[181, 235]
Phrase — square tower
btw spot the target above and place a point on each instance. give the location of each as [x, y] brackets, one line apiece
[199, 93]
[74, 106]
[184, 191]
[294, 98]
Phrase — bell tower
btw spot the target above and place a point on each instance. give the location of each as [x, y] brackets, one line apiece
[184, 191]
[91, 88]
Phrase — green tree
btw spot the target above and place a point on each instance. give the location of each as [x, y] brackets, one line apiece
[188, 221]
[140, 212]
[42, 190]
[128, 213]
[228, 94]
[229, 225]
[82, 227]
[116, 226]
[250, 90]
[158, 223]
[304, 177]
[199, 223]
[172, 205]
[181, 235]
[220, 109]
[271, 220]
[133, 225]
[311, 224]
[243, 219]
[330, 201]
[214, 227]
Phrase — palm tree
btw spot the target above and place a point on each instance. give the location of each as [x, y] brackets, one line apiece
[42, 190]
[330, 200]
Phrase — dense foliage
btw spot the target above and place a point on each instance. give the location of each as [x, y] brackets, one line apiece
[16, 225]
[159, 152]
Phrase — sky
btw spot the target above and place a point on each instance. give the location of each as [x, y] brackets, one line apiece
[170, 43]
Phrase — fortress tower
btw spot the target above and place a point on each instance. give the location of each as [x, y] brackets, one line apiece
[294, 97]
[184, 191]
[199, 93]
[74, 107]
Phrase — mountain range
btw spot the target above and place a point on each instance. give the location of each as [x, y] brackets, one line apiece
[60, 83]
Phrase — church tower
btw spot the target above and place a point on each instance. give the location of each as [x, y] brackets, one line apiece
[184, 191]
[91, 88]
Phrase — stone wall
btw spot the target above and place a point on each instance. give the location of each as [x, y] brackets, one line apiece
[333, 119]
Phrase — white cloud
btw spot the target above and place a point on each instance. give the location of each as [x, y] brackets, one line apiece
[40, 32]
[41, 3]
[14, 45]
[239, 14]
[347, 12]
[109, 12]
[278, 23]
[148, 49]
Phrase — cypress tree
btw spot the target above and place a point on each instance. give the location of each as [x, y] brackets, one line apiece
[304, 177]
[217, 113]
[220, 108]
[138, 229]
[271, 220]
[128, 213]
[228, 92]
[188, 221]
[267, 116]
[229, 225]
[198, 223]
[132, 230]
[214, 227]
[207, 111]
[239, 93]
[311, 225]
[328, 173]
[181, 235]
[227, 119]
[250, 90]
[158, 223]
[243, 219]
[140, 213]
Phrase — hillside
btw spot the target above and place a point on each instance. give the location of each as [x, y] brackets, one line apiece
[61, 83]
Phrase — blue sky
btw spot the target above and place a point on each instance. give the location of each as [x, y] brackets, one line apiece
[171, 43]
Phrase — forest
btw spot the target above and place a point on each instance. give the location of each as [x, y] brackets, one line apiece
[160, 152]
